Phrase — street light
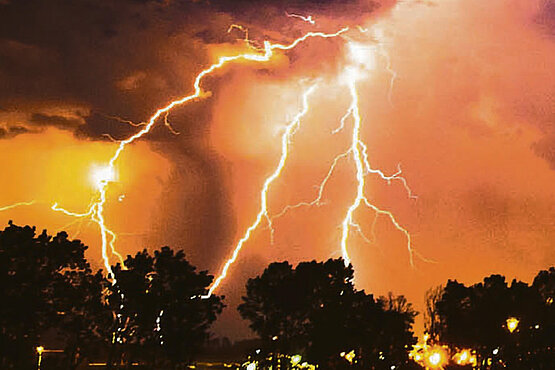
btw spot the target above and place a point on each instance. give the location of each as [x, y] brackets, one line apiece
[40, 350]
[512, 324]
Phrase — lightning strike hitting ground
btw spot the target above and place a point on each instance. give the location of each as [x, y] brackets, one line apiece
[263, 212]
[362, 165]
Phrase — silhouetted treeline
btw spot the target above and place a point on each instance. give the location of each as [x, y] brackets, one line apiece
[155, 313]
[49, 297]
[508, 325]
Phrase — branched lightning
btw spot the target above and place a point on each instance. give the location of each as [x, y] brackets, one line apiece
[357, 151]
[263, 211]
[96, 211]
[362, 165]
[318, 200]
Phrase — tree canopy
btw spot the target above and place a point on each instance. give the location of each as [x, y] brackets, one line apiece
[512, 323]
[153, 311]
[315, 310]
[46, 285]
[160, 308]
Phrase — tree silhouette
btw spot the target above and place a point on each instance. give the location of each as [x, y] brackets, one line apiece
[431, 316]
[46, 285]
[477, 317]
[161, 315]
[315, 310]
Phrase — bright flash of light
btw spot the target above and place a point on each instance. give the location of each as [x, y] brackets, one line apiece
[512, 324]
[101, 175]
[429, 356]
[363, 54]
[263, 212]
[436, 358]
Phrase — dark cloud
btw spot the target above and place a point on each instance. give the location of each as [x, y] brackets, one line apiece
[64, 123]
[126, 58]
[12, 131]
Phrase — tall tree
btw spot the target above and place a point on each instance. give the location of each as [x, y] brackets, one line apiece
[160, 309]
[315, 310]
[46, 285]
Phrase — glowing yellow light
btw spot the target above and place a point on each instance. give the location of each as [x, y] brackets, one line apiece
[429, 356]
[436, 358]
[465, 357]
[295, 359]
[512, 324]
[350, 356]
[40, 349]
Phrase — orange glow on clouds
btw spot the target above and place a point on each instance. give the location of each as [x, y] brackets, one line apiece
[57, 168]
[458, 93]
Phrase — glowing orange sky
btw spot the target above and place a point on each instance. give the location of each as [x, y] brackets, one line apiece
[472, 100]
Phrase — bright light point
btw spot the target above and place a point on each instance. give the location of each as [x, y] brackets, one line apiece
[40, 349]
[296, 359]
[512, 323]
[495, 351]
[435, 358]
[100, 175]
[251, 366]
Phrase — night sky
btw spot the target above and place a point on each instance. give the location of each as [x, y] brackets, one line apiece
[459, 93]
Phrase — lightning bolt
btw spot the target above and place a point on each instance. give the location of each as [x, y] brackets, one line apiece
[359, 154]
[263, 212]
[379, 35]
[96, 211]
[15, 205]
[357, 151]
[307, 19]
